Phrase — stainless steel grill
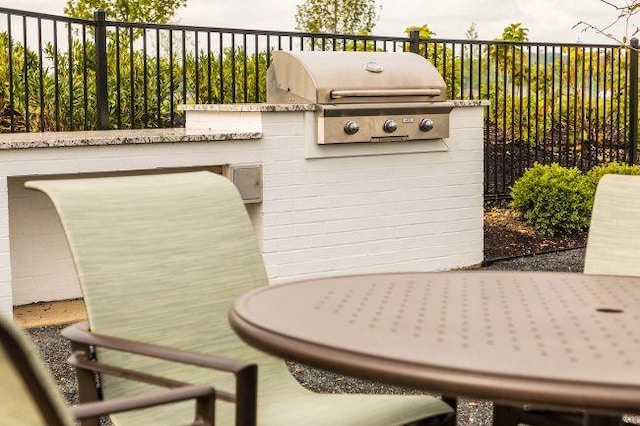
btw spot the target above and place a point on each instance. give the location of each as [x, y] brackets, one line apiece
[364, 96]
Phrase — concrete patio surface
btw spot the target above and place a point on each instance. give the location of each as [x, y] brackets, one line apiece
[45, 314]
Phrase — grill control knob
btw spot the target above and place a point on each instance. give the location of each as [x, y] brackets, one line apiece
[426, 124]
[351, 127]
[390, 126]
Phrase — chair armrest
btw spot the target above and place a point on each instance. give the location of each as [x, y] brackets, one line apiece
[204, 394]
[246, 373]
[80, 333]
[81, 360]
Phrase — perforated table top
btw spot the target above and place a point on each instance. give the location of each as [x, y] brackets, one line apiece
[569, 340]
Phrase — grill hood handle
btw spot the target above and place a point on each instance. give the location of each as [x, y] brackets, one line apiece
[337, 94]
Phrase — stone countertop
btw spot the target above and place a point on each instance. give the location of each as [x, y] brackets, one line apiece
[117, 137]
[464, 103]
[258, 107]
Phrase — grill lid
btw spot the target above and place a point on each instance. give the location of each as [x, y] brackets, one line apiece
[352, 77]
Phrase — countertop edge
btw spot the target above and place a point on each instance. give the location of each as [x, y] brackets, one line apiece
[118, 137]
[265, 107]
[466, 103]
[255, 107]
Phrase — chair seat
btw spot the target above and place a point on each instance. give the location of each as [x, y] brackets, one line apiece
[278, 393]
[310, 410]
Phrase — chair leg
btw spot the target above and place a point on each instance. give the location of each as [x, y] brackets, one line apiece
[444, 420]
[247, 396]
[504, 415]
[205, 411]
[591, 420]
[534, 416]
[452, 401]
[87, 386]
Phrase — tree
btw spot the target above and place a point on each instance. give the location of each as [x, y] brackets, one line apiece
[472, 32]
[515, 32]
[155, 11]
[440, 55]
[625, 10]
[510, 57]
[424, 30]
[337, 16]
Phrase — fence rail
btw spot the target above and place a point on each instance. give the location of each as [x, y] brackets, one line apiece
[573, 104]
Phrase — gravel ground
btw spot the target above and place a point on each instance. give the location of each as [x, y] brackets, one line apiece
[561, 261]
[470, 412]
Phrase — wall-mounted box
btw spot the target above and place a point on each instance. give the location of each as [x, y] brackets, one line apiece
[248, 180]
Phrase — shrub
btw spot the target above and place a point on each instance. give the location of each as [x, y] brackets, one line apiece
[553, 198]
[614, 168]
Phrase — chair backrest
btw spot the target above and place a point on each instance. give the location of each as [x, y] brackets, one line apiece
[160, 259]
[613, 245]
[28, 396]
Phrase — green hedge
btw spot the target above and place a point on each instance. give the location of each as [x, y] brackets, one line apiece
[556, 199]
[614, 168]
[553, 198]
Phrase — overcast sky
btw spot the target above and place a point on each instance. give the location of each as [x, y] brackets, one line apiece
[547, 20]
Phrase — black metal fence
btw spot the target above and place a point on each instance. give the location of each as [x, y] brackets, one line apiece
[568, 103]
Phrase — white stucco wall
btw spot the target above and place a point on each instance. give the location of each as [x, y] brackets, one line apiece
[341, 214]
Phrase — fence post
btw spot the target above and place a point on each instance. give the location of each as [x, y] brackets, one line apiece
[633, 102]
[102, 101]
[414, 41]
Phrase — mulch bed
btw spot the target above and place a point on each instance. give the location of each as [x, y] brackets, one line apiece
[507, 234]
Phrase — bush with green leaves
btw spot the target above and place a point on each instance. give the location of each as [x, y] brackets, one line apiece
[553, 198]
[614, 168]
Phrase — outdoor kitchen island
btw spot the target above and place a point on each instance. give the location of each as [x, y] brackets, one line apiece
[317, 210]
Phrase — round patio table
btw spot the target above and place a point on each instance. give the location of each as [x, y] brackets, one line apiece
[558, 340]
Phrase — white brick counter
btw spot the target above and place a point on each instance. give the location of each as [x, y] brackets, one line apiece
[389, 208]
[35, 264]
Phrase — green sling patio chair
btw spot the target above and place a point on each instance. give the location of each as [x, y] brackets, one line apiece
[613, 248]
[160, 259]
[613, 245]
[28, 395]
